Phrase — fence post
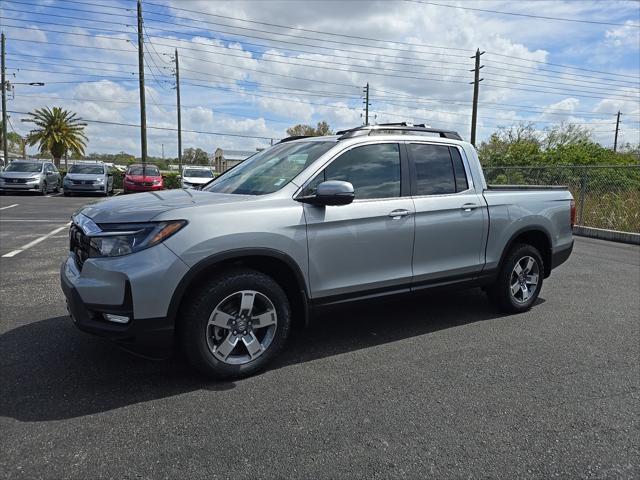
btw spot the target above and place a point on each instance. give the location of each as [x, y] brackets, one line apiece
[583, 188]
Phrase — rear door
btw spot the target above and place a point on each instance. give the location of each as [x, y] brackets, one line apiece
[451, 221]
[364, 247]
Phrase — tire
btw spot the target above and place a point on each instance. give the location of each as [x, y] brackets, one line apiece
[219, 301]
[66, 194]
[522, 269]
[57, 189]
[43, 189]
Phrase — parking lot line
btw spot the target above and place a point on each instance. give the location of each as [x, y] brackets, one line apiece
[9, 206]
[26, 246]
[36, 220]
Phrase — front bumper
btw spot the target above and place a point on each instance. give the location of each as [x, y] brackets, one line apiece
[127, 187]
[19, 187]
[139, 287]
[69, 187]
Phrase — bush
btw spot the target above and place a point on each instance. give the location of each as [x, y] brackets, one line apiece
[171, 180]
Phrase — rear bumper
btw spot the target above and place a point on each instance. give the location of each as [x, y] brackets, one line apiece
[559, 256]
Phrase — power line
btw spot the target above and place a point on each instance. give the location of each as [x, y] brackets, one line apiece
[542, 17]
[334, 48]
[104, 122]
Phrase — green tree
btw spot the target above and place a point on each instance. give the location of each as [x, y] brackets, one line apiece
[322, 128]
[516, 145]
[565, 134]
[195, 156]
[58, 132]
[15, 143]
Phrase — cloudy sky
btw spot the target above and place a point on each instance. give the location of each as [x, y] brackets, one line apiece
[250, 69]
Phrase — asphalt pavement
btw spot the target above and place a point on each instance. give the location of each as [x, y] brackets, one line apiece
[440, 386]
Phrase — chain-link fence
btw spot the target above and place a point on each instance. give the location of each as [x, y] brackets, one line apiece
[606, 196]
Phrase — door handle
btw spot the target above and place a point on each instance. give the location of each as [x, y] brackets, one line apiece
[397, 214]
[467, 207]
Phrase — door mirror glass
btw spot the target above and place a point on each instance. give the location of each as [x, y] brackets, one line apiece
[331, 192]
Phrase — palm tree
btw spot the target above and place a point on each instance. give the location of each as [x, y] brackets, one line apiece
[59, 132]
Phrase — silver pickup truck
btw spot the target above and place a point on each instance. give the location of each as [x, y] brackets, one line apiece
[225, 271]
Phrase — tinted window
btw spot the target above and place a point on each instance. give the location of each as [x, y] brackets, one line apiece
[434, 170]
[458, 170]
[374, 171]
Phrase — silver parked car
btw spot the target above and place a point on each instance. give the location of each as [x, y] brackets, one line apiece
[195, 177]
[305, 224]
[94, 177]
[30, 175]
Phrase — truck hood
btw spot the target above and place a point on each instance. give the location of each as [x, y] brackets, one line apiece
[143, 207]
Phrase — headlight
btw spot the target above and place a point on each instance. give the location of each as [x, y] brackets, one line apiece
[67, 180]
[157, 182]
[100, 180]
[121, 239]
[33, 179]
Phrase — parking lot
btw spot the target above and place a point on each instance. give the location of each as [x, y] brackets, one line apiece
[438, 387]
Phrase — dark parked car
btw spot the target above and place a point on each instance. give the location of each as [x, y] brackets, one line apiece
[142, 178]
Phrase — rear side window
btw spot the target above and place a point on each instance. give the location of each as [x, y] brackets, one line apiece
[439, 169]
[374, 171]
[458, 170]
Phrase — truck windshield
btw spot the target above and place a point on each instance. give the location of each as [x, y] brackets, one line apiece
[269, 170]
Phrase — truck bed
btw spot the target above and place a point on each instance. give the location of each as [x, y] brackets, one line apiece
[526, 187]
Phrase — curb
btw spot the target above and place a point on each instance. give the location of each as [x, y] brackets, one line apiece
[611, 235]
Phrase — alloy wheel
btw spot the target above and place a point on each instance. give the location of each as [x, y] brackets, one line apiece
[524, 279]
[241, 327]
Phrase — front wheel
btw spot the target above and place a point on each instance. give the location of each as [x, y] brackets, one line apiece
[519, 280]
[235, 324]
[43, 188]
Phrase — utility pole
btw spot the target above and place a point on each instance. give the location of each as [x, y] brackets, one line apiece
[5, 143]
[615, 140]
[476, 86]
[179, 113]
[366, 104]
[143, 107]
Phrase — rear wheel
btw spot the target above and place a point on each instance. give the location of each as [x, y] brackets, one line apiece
[519, 281]
[235, 324]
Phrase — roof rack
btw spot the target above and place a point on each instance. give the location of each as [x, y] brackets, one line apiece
[396, 127]
[294, 137]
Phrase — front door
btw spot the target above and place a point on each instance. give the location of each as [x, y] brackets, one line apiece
[364, 247]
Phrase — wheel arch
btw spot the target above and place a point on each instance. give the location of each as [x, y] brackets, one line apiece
[278, 265]
[538, 237]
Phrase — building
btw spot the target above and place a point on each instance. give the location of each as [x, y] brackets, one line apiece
[223, 160]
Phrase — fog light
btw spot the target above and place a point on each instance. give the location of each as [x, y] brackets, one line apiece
[115, 318]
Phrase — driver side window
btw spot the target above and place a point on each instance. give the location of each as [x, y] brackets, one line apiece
[373, 170]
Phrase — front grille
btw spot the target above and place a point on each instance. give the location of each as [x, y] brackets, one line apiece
[79, 244]
[144, 184]
[16, 180]
[83, 182]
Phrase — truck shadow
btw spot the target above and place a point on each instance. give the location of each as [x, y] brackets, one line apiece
[51, 371]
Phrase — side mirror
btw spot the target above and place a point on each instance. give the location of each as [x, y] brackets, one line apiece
[331, 192]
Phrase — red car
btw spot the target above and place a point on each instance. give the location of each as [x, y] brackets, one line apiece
[142, 178]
